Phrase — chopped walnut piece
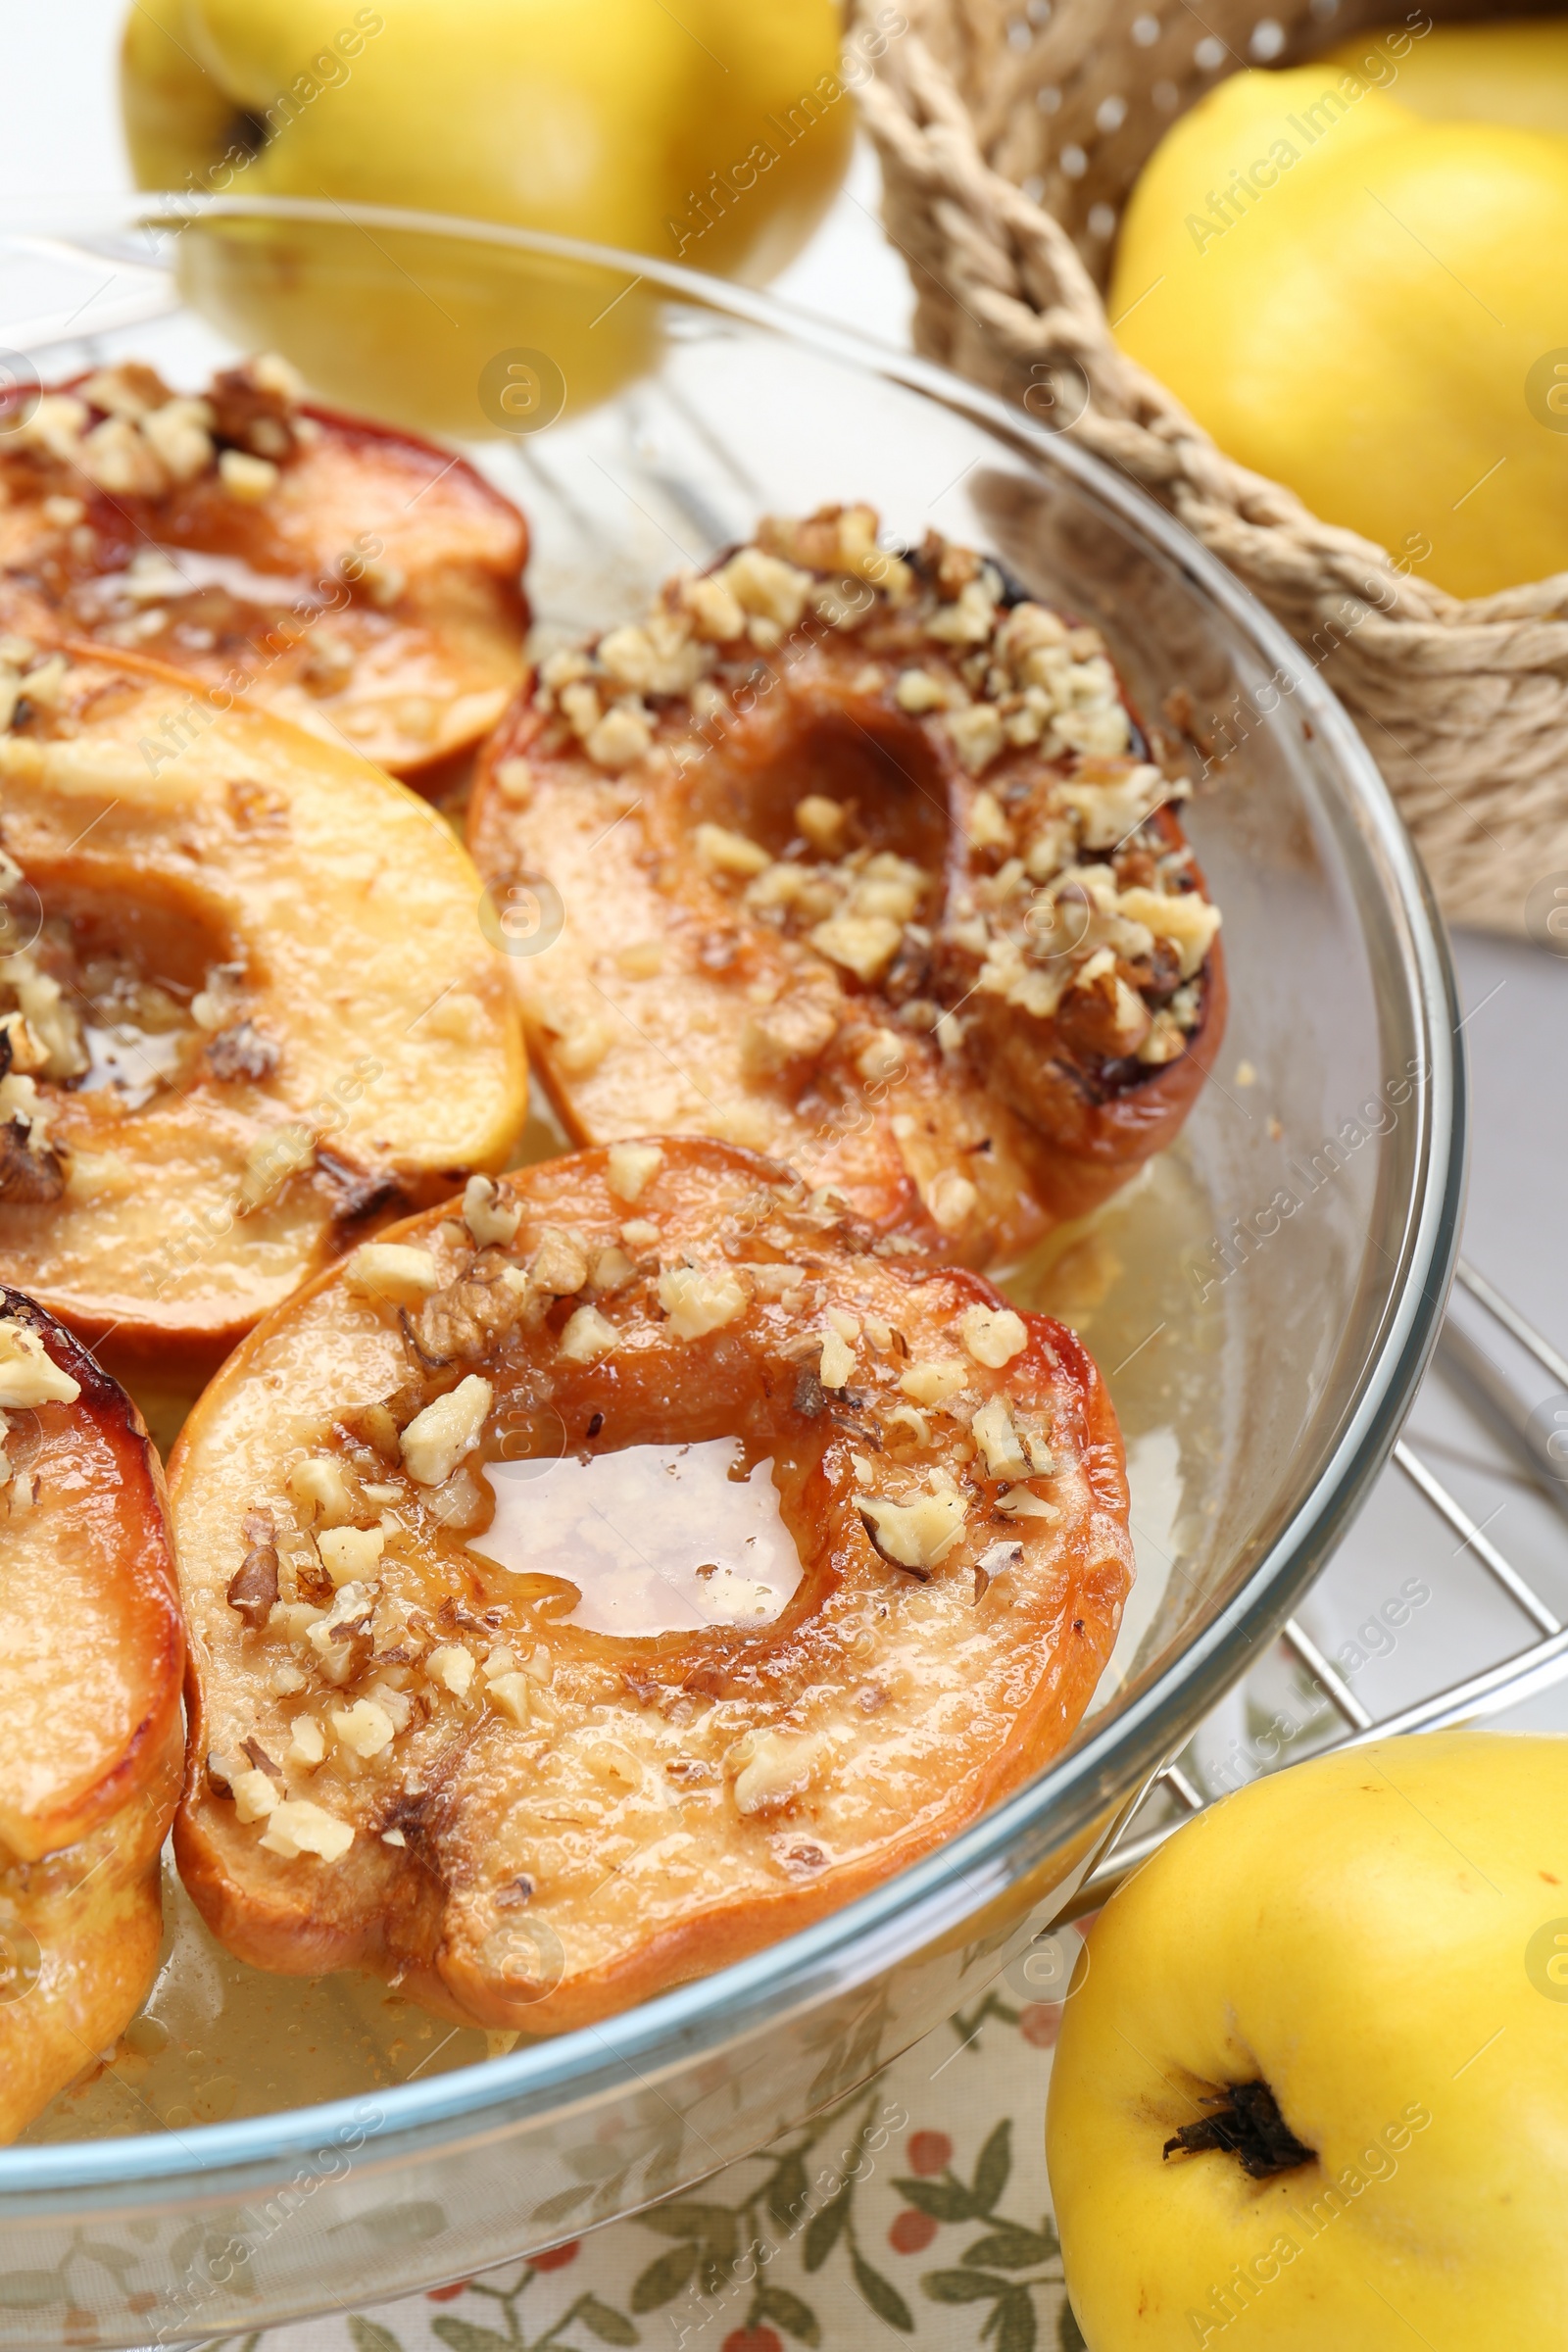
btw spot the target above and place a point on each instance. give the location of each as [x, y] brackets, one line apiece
[251, 407]
[627, 1171]
[700, 1299]
[379, 1430]
[611, 1270]
[393, 1271]
[180, 436]
[254, 1796]
[321, 1488]
[823, 823]
[725, 852]
[915, 1535]
[253, 1589]
[588, 1336]
[343, 1643]
[771, 1280]
[1100, 1015]
[988, 828]
[512, 1693]
[994, 1432]
[247, 479]
[132, 389]
[1187, 920]
[470, 1316]
[437, 1439]
[1020, 1503]
[863, 944]
[977, 735]
[31, 1172]
[301, 1827]
[659, 656]
[20, 1050]
[949, 1197]
[623, 736]
[560, 1261]
[365, 1729]
[932, 1382]
[966, 620]
[715, 616]
[350, 1555]
[992, 1335]
[489, 1216]
[28, 1374]
[307, 1746]
[116, 458]
[453, 1667]
[766, 589]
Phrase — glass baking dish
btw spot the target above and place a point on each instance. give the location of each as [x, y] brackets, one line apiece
[1262, 1299]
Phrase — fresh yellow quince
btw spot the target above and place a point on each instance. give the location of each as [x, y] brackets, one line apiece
[1493, 70]
[713, 134]
[1366, 306]
[1312, 2089]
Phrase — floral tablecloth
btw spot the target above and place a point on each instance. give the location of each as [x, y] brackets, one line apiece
[916, 2213]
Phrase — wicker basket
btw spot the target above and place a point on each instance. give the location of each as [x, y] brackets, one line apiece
[1011, 136]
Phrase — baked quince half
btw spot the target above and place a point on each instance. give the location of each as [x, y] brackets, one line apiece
[356, 580]
[248, 1012]
[593, 1581]
[860, 860]
[91, 1742]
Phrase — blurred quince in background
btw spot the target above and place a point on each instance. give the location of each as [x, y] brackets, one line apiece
[714, 135]
[1351, 272]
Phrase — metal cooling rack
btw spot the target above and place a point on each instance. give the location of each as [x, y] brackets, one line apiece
[1502, 1439]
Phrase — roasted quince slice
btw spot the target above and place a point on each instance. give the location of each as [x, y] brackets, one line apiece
[354, 579]
[91, 1653]
[860, 862]
[602, 1577]
[248, 1012]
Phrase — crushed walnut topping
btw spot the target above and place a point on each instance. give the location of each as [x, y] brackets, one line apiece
[915, 1533]
[77, 1016]
[1074, 904]
[703, 623]
[28, 1374]
[124, 431]
[328, 1575]
[300, 1826]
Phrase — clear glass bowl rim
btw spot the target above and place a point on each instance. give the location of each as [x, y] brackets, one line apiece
[897, 1917]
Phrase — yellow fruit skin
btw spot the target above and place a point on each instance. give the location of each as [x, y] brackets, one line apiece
[1364, 330]
[1509, 71]
[1375, 1936]
[716, 135]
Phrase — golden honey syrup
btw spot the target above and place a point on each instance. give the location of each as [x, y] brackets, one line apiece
[217, 2040]
[657, 1539]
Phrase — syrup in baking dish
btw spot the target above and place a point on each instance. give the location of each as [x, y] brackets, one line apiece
[657, 1539]
[217, 2040]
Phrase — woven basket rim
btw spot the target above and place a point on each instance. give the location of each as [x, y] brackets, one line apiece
[1462, 702]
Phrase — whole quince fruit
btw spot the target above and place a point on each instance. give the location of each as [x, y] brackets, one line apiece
[1312, 2089]
[714, 134]
[1493, 70]
[1367, 306]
